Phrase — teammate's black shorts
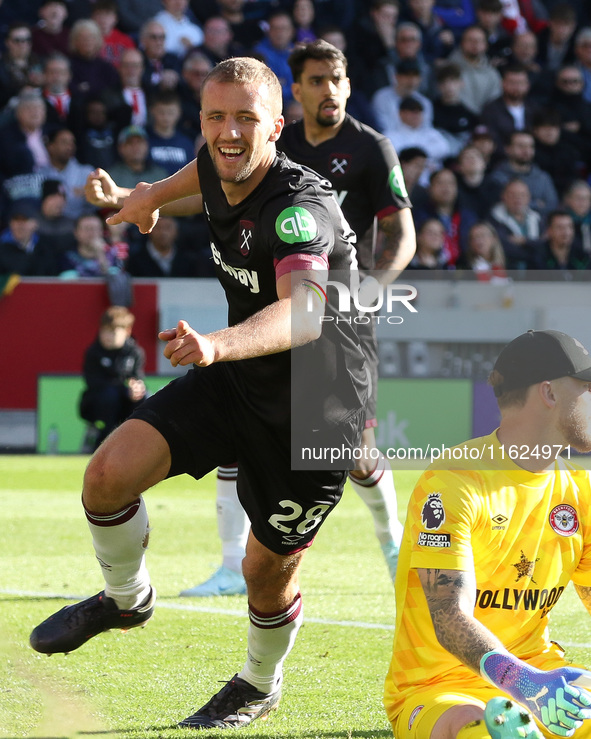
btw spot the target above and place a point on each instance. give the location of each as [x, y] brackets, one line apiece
[369, 346]
[207, 423]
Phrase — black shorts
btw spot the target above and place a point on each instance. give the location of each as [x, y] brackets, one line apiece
[207, 423]
[369, 346]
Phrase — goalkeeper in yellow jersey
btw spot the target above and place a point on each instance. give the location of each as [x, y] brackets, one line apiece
[495, 531]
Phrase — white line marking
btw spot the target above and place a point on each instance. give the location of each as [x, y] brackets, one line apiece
[200, 609]
[239, 614]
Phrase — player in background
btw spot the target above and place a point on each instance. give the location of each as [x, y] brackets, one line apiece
[368, 184]
[491, 539]
[238, 403]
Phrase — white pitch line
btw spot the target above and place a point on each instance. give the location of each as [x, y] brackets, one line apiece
[239, 614]
[201, 609]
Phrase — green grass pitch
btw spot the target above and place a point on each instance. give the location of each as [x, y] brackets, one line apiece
[139, 684]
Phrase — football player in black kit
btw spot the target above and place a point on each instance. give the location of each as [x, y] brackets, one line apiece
[237, 405]
[368, 184]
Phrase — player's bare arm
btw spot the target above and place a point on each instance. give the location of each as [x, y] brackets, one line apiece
[450, 596]
[398, 235]
[102, 191]
[143, 204]
[585, 596]
[282, 325]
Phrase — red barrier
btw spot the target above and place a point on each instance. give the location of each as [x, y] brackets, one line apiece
[45, 326]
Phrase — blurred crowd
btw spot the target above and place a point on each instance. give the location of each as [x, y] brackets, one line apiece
[487, 102]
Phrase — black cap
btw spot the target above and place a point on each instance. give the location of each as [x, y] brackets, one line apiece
[52, 187]
[23, 209]
[537, 356]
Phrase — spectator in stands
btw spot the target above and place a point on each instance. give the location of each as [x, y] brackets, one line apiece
[556, 41]
[484, 142]
[521, 15]
[577, 202]
[517, 225]
[182, 33]
[217, 41]
[430, 246]
[169, 148]
[114, 376]
[275, 49]
[489, 14]
[303, 14]
[473, 191]
[134, 167]
[375, 37]
[456, 14]
[386, 101]
[133, 14]
[511, 111]
[484, 253]
[104, 14]
[575, 111]
[559, 250]
[57, 75]
[127, 103]
[53, 225]
[520, 150]
[557, 156]
[524, 51]
[196, 67]
[161, 68]
[50, 35]
[96, 135]
[21, 250]
[412, 131]
[358, 104]
[413, 162]
[245, 31]
[90, 73]
[63, 166]
[450, 116]
[583, 60]
[22, 148]
[160, 255]
[442, 204]
[19, 67]
[437, 40]
[408, 44]
[482, 82]
[92, 257]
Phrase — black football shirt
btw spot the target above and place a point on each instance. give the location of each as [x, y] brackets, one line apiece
[291, 212]
[364, 171]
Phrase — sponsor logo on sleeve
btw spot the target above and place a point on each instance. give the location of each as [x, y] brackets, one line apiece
[296, 225]
[396, 182]
[433, 513]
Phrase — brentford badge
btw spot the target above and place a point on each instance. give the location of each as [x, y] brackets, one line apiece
[564, 520]
[246, 228]
[414, 715]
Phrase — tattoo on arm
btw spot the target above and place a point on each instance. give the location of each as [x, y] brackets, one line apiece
[585, 596]
[450, 597]
[391, 230]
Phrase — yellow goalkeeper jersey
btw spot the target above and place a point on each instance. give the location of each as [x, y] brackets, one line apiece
[524, 534]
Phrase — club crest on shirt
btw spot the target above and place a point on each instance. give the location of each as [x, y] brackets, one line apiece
[338, 164]
[433, 513]
[564, 520]
[246, 229]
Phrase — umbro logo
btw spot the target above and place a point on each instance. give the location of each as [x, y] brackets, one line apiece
[339, 164]
[246, 234]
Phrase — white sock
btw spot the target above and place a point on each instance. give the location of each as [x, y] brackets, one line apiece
[379, 494]
[270, 639]
[120, 541]
[233, 523]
